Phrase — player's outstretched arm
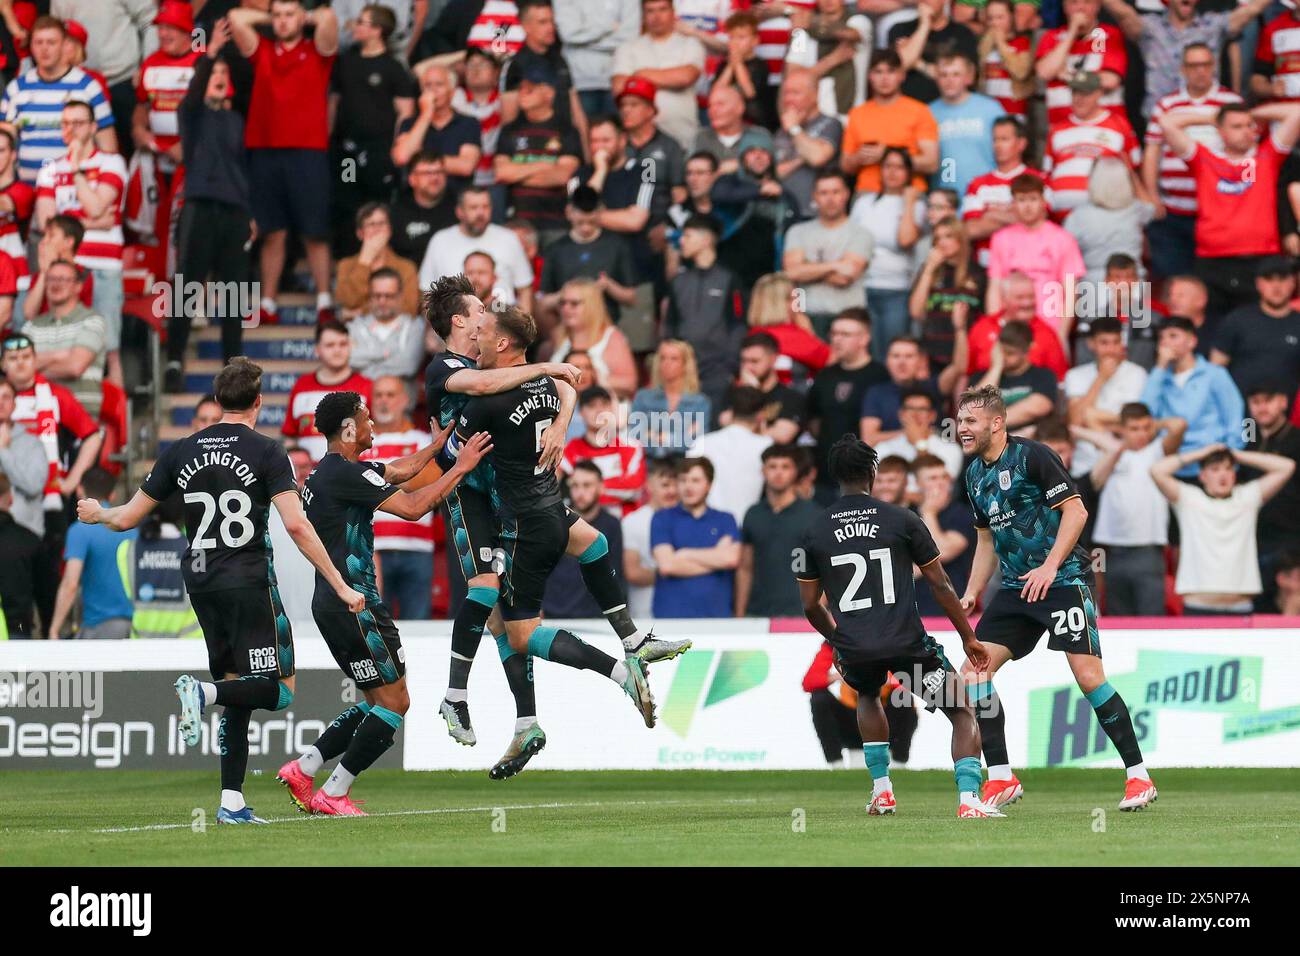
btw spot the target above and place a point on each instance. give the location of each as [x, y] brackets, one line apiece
[289, 505]
[401, 470]
[415, 505]
[983, 566]
[810, 593]
[490, 381]
[1073, 517]
[122, 518]
[946, 597]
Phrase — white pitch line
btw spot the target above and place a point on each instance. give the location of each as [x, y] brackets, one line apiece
[302, 817]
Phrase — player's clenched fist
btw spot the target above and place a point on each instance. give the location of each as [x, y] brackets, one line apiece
[88, 511]
[355, 600]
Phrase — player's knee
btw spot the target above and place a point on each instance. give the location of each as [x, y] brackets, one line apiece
[594, 551]
[286, 696]
[518, 642]
[487, 580]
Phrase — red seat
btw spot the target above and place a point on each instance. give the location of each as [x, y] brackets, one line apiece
[112, 416]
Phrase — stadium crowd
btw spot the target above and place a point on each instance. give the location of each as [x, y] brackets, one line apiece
[754, 226]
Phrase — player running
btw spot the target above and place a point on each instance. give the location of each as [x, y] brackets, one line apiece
[230, 475]
[1029, 516]
[533, 525]
[860, 552]
[454, 312]
[342, 495]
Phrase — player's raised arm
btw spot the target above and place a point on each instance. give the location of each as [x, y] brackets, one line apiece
[946, 597]
[122, 518]
[491, 381]
[415, 505]
[289, 505]
[401, 470]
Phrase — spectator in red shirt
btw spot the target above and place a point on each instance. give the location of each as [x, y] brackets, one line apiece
[621, 463]
[288, 138]
[16, 198]
[1082, 45]
[1020, 306]
[335, 374]
[773, 309]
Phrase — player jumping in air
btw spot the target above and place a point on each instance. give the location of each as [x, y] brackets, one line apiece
[860, 552]
[1029, 516]
[453, 377]
[533, 526]
[342, 495]
[230, 476]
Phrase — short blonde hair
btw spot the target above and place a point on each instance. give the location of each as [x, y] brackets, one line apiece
[771, 301]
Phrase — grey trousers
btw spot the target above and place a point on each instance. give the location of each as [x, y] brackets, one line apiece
[1135, 580]
[114, 629]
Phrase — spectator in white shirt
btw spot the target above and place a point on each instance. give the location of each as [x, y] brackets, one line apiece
[1218, 571]
[1095, 393]
[917, 413]
[295, 576]
[1132, 516]
[736, 451]
[638, 558]
[671, 61]
[476, 232]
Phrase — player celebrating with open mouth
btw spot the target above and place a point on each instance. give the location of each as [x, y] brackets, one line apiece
[860, 553]
[1029, 515]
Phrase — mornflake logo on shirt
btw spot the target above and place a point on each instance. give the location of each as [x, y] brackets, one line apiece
[75, 909]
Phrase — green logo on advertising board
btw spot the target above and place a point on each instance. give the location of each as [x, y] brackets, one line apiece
[1064, 731]
[737, 672]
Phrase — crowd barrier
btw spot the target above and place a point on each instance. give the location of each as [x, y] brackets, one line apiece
[1201, 693]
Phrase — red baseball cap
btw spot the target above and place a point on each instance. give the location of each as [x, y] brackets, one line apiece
[639, 86]
[76, 31]
[176, 13]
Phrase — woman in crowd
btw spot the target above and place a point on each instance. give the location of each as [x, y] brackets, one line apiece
[947, 277]
[585, 324]
[773, 309]
[672, 412]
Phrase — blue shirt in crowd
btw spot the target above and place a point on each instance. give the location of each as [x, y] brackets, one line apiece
[965, 140]
[103, 586]
[706, 595]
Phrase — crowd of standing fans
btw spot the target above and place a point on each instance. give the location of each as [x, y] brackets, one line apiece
[754, 226]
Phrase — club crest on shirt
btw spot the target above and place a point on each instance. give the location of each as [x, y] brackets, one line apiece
[1004, 480]
[374, 478]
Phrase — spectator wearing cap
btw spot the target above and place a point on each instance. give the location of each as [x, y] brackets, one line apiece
[71, 340]
[57, 420]
[653, 152]
[592, 32]
[20, 570]
[1020, 306]
[288, 138]
[755, 210]
[1040, 249]
[537, 156]
[669, 60]
[120, 35]
[1218, 566]
[827, 256]
[1132, 516]
[387, 337]
[706, 307]
[621, 463]
[437, 128]
[476, 232]
[75, 40]
[1260, 342]
[1186, 385]
[770, 532]
[888, 118]
[28, 97]
[736, 450]
[375, 231]
[371, 91]
[1097, 392]
[216, 219]
[541, 48]
[728, 134]
[1030, 391]
[1236, 188]
[1268, 404]
[589, 252]
[1082, 45]
[423, 208]
[806, 141]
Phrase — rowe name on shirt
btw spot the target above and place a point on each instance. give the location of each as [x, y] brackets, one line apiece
[860, 529]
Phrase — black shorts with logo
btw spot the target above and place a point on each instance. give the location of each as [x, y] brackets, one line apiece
[247, 632]
[1068, 614]
[533, 543]
[366, 645]
[472, 530]
[926, 674]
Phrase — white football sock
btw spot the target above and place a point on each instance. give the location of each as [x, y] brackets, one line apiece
[232, 800]
[1000, 771]
[311, 762]
[339, 783]
[967, 797]
[209, 692]
[619, 674]
[523, 723]
[268, 305]
[324, 300]
[633, 641]
[455, 694]
[880, 785]
[1137, 772]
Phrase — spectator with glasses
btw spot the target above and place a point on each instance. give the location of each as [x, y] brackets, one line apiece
[71, 340]
[386, 338]
[375, 230]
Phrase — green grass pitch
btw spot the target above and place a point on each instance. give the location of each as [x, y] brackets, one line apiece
[1219, 817]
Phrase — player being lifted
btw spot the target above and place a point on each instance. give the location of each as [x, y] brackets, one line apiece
[230, 475]
[1029, 515]
[533, 525]
[860, 552]
[342, 495]
[455, 312]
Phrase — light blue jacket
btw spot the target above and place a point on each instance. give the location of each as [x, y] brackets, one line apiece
[1209, 402]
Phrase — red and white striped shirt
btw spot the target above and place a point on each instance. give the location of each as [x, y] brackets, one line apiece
[163, 82]
[497, 29]
[391, 532]
[23, 197]
[1075, 145]
[997, 81]
[300, 419]
[993, 189]
[774, 40]
[45, 407]
[101, 248]
[1177, 184]
[489, 121]
[1102, 49]
[707, 16]
[622, 465]
[1279, 49]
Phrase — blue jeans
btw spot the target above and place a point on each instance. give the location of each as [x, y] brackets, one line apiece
[1172, 241]
[597, 103]
[408, 583]
[889, 318]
